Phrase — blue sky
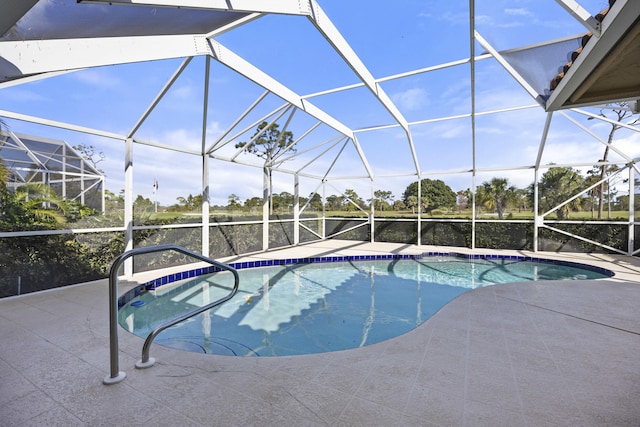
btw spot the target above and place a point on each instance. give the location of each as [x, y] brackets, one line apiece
[389, 39]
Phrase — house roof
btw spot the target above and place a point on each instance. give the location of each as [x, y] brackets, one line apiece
[606, 67]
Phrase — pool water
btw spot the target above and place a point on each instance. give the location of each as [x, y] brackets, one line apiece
[321, 307]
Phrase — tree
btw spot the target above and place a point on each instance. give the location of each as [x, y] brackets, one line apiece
[556, 186]
[4, 175]
[31, 205]
[523, 200]
[253, 203]
[234, 202]
[267, 142]
[189, 203]
[284, 200]
[463, 199]
[4, 171]
[593, 176]
[142, 203]
[434, 194]
[36, 205]
[399, 205]
[351, 198]
[89, 153]
[112, 201]
[334, 203]
[624, 200]
[412, 202]
[496, 195]
[382, 199]
[622, 112]
[316, 202]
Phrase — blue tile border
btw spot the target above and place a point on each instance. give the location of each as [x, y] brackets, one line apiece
[171, 278]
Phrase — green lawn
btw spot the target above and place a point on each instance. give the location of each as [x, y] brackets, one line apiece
[464, 214]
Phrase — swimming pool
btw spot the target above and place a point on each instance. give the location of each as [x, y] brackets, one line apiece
[321, 305]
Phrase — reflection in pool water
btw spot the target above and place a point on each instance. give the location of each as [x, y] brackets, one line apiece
[321, 307]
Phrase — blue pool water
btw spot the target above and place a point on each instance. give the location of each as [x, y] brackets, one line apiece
[320, 307]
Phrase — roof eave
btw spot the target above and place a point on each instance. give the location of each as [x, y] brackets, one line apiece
[608, 55]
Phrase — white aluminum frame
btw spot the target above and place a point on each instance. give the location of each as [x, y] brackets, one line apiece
[67, 55]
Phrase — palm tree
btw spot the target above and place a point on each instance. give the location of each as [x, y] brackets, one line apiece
[496, 195]
[35, 204]
[523, 199]
[556, 186]
[412, 202]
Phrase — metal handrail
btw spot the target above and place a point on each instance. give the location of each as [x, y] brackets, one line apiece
[116, 375]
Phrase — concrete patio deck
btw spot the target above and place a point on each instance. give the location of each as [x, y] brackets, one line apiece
[561, 353]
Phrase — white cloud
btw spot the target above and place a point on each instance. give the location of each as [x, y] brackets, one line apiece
[214, 130]
[629, 145]
[484, 20]
[411, 99]
[183, 92]
[23, 95]
[98, 78]
[455, 18]
[519, 12]
[566, 148]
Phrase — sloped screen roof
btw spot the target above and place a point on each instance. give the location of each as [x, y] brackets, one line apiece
[43, 154]
[62, 19]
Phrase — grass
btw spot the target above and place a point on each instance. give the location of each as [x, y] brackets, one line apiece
[464, 214]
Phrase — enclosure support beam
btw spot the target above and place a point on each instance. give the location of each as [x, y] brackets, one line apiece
[289, 7]
[419, 208]
[240, 65]
[102, 195]
[26, 56]
[581, 15]
[538, 220]
[265, 209]
[632, 209]
[296, 209]
[372, 214]
[82, 184]
[159, 96]
[595, 136]
[205, 162]
[128, 204]
[473, 209]
[335, 38]
[472, 72]
[205, 206]
[324, 211]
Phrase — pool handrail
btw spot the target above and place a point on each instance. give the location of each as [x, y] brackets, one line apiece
[116, 375]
